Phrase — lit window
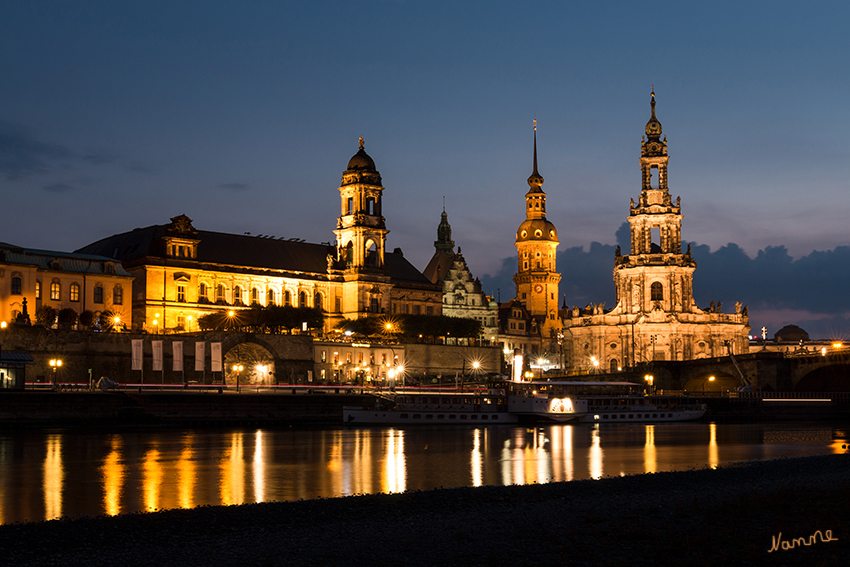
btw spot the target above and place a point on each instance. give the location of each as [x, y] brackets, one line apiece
[37, 289]
[75, 292]
[55, 290]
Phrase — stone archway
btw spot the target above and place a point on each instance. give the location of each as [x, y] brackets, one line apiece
[703, 382]
[831, 378]
[257, 363]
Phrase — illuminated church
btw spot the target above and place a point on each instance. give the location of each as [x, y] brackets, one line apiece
[655, 316]
[182, 273]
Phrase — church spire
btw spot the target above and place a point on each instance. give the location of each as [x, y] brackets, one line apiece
[535, 180]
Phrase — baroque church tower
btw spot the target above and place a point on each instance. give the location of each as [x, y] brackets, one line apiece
[655, 317]
[656, 275]
[537, 242]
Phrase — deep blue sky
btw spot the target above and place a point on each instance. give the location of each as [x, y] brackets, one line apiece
[243, 115]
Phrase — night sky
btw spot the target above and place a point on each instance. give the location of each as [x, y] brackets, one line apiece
[243, 115]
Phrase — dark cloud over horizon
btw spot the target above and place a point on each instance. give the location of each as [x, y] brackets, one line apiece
[809, 291]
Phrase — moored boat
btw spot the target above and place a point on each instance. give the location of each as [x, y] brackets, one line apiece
[433, 408]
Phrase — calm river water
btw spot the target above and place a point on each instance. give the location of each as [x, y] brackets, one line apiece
[52, 473]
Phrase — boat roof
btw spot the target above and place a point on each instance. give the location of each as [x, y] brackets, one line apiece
[579, 383]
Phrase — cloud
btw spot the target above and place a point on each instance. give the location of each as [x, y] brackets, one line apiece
[778, 289]
[234, 187]
[59, 188]
[21, 155]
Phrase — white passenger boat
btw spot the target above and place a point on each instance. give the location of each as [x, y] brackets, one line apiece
[433, 408]
[607, 402]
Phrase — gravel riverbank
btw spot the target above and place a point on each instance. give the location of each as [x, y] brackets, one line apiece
[729, 516]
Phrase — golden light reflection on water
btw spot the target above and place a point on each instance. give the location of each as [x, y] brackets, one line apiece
[476, 460]
[595, 454]
[649, 458]
[259, 468]
[232, 486]
[186, 473]
[53, 478]
[394, 478]
[112, 473]
[713, 458]
[152, 479]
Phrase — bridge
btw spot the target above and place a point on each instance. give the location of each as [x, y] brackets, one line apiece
[766, 370]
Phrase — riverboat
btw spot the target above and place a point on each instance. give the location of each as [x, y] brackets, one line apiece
[609, 402]
[433, 408]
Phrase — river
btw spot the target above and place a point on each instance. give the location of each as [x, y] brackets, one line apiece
[47, 474]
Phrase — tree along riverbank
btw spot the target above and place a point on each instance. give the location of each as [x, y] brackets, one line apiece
[784, 512]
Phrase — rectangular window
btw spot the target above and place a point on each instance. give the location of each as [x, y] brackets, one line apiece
[16, 285]
[55, 291]
[118, 295]
[348, 357]
[336, 358]
[181, 293]
[429, 310]
[98, 294]
[324, 356]
[75, 292]
[360, 358]
[338, 305]
[37, 289]
[416, 310]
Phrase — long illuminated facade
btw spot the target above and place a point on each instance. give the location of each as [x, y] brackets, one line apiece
[182, 273]
[655, 317]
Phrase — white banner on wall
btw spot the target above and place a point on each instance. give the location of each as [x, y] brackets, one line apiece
[137, 354]
[200, 356]
[156, 347]
[177, 353]
[215, 356]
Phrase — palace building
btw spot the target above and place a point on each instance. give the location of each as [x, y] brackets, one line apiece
[182, 273]
[30, 279]
[655, 316]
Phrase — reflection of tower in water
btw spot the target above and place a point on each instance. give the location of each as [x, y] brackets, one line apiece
[54, 478]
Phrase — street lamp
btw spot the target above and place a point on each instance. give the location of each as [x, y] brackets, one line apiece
[237, 368]
[649, 380]
[55, 364]
[115, 322]
[540, 362]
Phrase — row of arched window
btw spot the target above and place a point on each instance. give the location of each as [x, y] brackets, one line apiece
[74, 290]
[273, 296]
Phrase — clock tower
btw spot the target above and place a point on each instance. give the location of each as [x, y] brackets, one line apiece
[537, 242]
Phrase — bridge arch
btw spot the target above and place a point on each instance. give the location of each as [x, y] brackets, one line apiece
[722, 382]
[828, 378]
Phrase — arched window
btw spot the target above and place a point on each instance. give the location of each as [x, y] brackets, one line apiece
[255, 295]
[317, 301]
[75, 292]
[287, 297]
[98, 293]
[118, 295]
[613, 366]
[271, 297]
[349, 254]
[237, 294]
[202, 291]
[16, 285]
[302, 299]
[371, 254]
[55, 291]
[656, 291]
[219, 292]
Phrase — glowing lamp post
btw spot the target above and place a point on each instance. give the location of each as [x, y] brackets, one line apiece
[649, 380]
[55, 364]
[238, 368]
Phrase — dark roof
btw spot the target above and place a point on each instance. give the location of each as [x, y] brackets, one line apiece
[18, 357]
[219, 248]
[69, 262]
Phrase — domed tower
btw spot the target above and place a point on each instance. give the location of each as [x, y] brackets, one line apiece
[361, 231]
[537, 242]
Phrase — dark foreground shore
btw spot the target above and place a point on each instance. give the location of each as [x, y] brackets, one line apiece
[729, 516]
